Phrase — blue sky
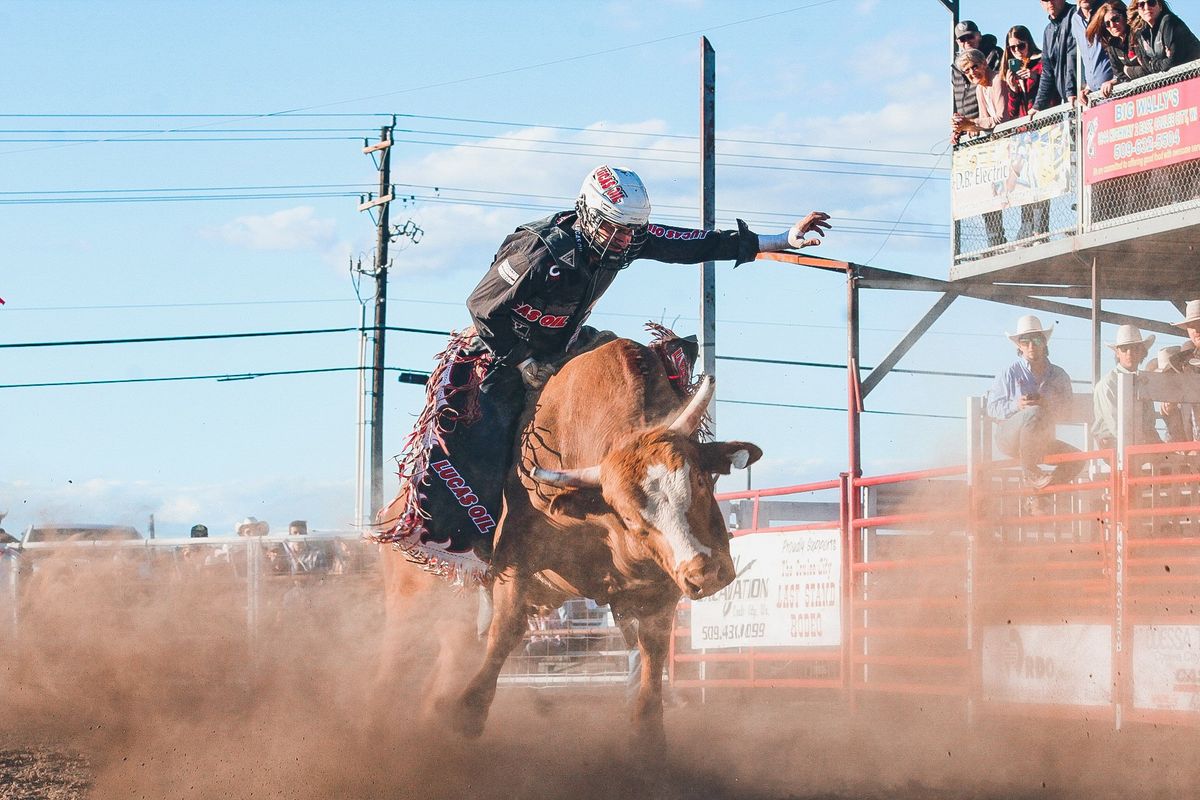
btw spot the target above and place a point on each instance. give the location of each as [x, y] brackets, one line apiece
[839, 105]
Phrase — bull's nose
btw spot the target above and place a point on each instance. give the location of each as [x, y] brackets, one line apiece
[702, 577]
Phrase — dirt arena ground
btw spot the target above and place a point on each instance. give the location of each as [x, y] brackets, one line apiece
[153, 693]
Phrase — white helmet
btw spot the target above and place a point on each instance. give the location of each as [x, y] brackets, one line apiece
[613, 210]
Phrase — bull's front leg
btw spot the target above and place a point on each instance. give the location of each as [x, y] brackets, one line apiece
[510, 618]
[654, 637]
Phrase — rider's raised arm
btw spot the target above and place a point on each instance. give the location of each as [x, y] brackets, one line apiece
[692, 246]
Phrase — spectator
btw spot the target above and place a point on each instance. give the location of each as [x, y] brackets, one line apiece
[307, 556]
[1021, 70]
[1097, 69]
[966, 105]
[199, 532]
[1183, 421]
[1027, 400]
[1110, 25]
[1129, 350]
[1164, 39]
[252, 526]
[990, 92]
[991, 102]
[969, 38]
[1058, 57]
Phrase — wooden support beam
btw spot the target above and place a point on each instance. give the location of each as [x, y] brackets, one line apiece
[906, 344]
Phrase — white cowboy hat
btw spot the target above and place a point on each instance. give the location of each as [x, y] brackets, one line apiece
[1130, 334]
[1027, 325]
[1165, 355]
[1191, 314]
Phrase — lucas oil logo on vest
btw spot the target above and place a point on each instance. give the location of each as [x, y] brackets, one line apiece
[535, 315]
[465, 495]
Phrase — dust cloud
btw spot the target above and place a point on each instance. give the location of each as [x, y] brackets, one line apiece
[147, 675]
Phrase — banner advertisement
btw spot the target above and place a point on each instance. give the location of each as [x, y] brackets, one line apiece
[1048, 664]
[787, 593]
[1141, 132]
[1023, 167]
[1166, 667]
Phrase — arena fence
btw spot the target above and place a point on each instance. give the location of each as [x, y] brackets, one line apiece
[1071, 170]
[1076, 601]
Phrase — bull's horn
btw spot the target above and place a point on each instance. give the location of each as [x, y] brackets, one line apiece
[689, 419]
[569, 478]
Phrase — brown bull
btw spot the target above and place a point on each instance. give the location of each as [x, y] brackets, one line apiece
[612, 499]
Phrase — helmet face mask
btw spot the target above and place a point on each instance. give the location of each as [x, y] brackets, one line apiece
[613, 211]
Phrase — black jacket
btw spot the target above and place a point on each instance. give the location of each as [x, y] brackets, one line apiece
[1170, 36]
[541, 286]
[1058, 62]
[965, 101]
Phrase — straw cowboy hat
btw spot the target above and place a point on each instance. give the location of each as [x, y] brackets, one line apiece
[1027, 325]
[1166, 359]
[1129, 334]
[1191, 314]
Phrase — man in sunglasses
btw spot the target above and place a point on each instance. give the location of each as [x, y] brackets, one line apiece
[1027, 400]
[967, 34]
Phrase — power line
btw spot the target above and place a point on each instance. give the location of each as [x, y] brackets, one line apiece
[242, 376]
[414, 376]
[212, 336]
[479, 121]
[842, 410]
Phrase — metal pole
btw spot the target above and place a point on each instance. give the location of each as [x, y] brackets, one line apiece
[853, 386]
[359, 427]
[382, 237]
[1095, 322]
[708, 214]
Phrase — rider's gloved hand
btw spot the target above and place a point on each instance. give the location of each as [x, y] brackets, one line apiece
[535, 373]
[817, 222]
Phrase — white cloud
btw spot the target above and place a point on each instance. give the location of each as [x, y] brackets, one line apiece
[291, 229]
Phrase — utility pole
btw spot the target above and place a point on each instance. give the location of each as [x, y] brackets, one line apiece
[382, 238]
[708, 214]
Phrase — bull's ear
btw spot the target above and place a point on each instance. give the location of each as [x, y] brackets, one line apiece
[723, 456]
[578, 503]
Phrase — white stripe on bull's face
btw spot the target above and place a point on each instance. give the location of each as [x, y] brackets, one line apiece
[668, 498]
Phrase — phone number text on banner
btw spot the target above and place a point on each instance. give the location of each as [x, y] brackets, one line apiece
[1024, 167]
[1148, 130]
[787, 593]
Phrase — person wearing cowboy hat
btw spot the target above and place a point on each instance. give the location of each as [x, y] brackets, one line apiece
[1191, 328]
[1027, 400]
[1130, 350]
[1183, 421]
[1180, 417]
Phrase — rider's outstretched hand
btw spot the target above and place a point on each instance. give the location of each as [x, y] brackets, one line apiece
[817, 222]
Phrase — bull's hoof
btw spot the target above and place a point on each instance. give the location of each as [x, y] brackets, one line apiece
[460, 716]
[649, 741]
